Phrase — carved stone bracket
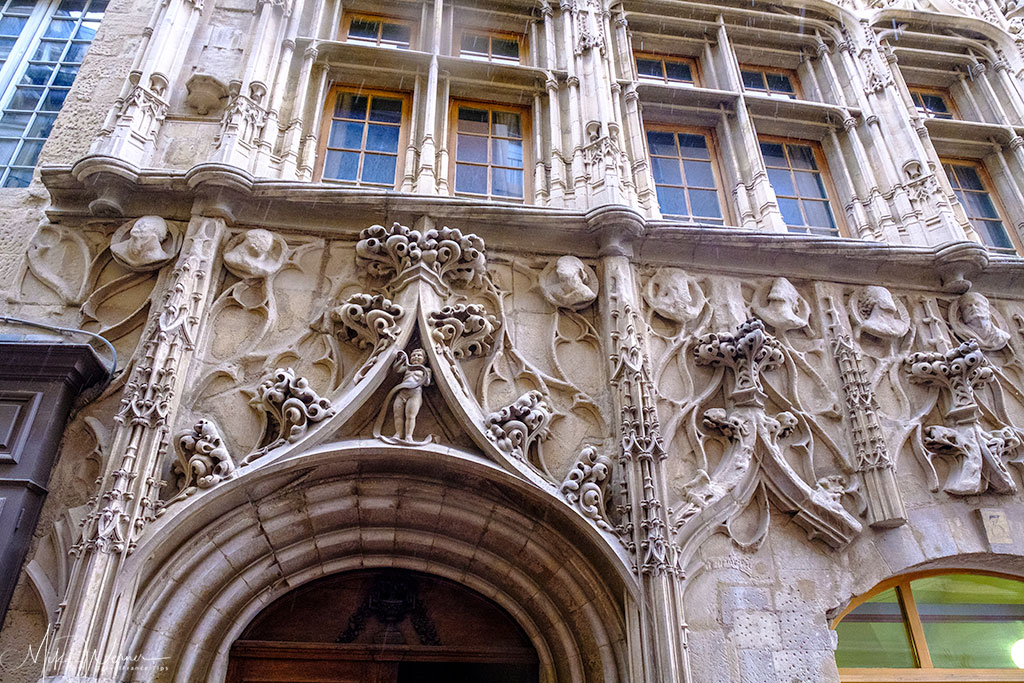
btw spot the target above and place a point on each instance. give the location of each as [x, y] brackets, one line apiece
[468, 330]
[203, 461]
[978, 456]
[454, 257]
[586, 485]
[292, 406]
[519, 426]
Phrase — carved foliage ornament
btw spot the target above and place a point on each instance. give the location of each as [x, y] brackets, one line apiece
[455, 257]
[518, 426]
[467, 329]
[203, 460]
[292, 406]
[748, 352]
[369, 321]
[586, 485]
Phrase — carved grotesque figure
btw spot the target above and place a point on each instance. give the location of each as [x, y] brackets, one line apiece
[143, 245]
[674, 295]
[972, 318]
[256, 254]
[570, 283]
[879, 315]
[406, 398]
[782, 307]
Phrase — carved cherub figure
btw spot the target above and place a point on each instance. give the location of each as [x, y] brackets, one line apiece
[406, 398]
[570, 284]
[144, 245]
[256, 254]
[972, 318]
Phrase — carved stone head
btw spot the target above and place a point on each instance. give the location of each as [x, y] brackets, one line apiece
[145, 244]
[877, 313]
[674, 295]
[569, 283]
[972, 317]
[255, 254]
[781, 306]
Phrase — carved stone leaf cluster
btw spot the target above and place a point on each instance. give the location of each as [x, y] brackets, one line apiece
[292, 406]
[518, 426]
[586, 485]
[748, 352]
[467, 329]
[202, 461]
[455, 257]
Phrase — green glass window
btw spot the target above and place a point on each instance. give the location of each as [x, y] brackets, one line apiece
[961, 626]
[684, 176]
[799, 184]
[489, 150]
[972, 190]
[363, 141]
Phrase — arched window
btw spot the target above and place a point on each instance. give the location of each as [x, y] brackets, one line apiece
[934, 627]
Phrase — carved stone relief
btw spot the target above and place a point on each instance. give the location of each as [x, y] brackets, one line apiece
[145, 244]
[569, 283]
[779, 304]
[587, 484]
[202, 462]
[972, 317]
[464, 330]
[292, 408]
[406, 399]
[519, 428]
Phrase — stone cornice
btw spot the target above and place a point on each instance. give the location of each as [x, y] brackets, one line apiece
[314, 208]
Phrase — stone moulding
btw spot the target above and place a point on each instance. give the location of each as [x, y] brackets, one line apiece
[455, 258]
[292, 407]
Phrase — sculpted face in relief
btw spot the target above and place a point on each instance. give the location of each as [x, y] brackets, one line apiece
[972, 318]
[879, 315]
[255, 254]
[143, 245]
[782, 307]
[674, 295]
[569, 283]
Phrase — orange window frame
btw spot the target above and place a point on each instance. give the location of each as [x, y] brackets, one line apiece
[325, 129]
[716, 162]
[989, 187]
[838, 211]
[348, 17]
[663, 58]
[925, 673]
[527, 139]
[794, 79]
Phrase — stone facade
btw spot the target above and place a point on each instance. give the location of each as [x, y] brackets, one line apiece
[672, 451]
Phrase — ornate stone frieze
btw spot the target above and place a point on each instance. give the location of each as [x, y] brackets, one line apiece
[877, 313]
[405, 399]
[455, 257]
[467, 330]
[753, 454]
[203, 461]
[977, 456]
[569, 283]
[518, 428]
[292, 407]
[586, 485]
[255, 254]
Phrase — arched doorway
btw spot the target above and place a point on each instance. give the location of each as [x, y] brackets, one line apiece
[383, 626]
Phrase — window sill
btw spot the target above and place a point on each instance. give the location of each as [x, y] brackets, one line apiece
[461, 69]
[966, 139]
[775, 115]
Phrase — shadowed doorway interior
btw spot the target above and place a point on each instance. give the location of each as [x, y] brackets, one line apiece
[383, 626]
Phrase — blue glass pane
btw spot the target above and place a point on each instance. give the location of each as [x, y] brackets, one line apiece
[395, 34]
[649, 68]
[666, 171]
[782, 181]
[802, 156]
[819, 214]
[993, 233]
[705, 203]
[66, 76]
[341, 165]
[76, 53]
[506, 182]
[379, 168]
[7, 148]
[672, 201]
[13, 125]
[471, 148]
[810, 184]
[471, 179]
[346, 134]
[41, 126]
[28, 153]
[386, 110]
[71, 8]
[25, 98]
[49, 51]
[661, 143]
[11, 26]
[698, 174]
[507, 153]
[19, 177]
[37, 74]
[774, 154]
[752, 80]
[382, 138]
[679, 72]
[790, 209]
[60, 28]
[53, 100]
[693, 146]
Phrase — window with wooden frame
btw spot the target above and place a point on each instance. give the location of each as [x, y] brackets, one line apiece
[362, 135]
[369, 29]
[798, 174]
[491, 150]
[669, 70]
[972, 186]
[772, 82]
[934, 627]
[686, 176]
[933, 103]
[491, 46]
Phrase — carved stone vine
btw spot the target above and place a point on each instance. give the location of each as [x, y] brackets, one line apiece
[456, 258]
[292, 407]
[754, 454]
[467, 330]
[203, 461]
[369, 321]
[518, 428]
[586, 485]
[978, 456]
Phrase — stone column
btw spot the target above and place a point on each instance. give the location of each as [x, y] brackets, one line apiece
[91, 621]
